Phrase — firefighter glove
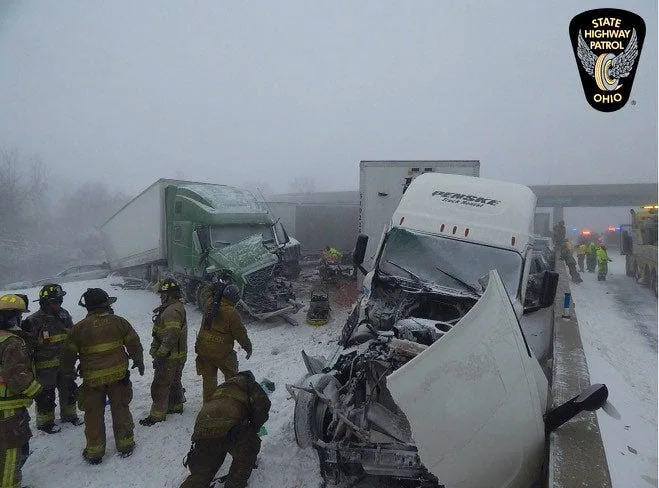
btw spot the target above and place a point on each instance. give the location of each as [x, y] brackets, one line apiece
[139, 365]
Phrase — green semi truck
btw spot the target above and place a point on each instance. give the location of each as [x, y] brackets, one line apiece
[196, 231]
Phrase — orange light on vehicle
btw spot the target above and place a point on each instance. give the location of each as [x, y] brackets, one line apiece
[585, 232]
[650, 207]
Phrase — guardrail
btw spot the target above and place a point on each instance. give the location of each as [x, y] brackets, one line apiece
[576, 456]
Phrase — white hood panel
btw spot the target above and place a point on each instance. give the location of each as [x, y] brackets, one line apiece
[472, 400]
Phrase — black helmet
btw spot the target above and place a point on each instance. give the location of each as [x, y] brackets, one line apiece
[96, 298]
[169, 284]
[51, 292]
[232, 293]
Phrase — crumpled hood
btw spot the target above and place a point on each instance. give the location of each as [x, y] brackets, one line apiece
[244, 257]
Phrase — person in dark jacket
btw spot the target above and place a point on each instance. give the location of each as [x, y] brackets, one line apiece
[47, 329]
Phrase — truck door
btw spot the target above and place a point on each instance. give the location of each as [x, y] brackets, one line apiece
[182, 256]
[474, 400]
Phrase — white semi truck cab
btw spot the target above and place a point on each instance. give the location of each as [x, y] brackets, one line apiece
[445, 236]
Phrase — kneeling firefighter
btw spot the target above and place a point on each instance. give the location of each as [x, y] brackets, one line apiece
[169, 351]
[228, 423]
[104, 342]
[47, 329]
[220, 326]
[17, 390]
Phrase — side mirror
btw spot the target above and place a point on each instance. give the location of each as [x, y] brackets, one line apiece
[360, 252]
[282, 235]
[548, 289]
[626, 242]
[591, 399]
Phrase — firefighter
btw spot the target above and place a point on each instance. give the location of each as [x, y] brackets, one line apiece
[17, 390]
[169, 351]
[602, 263]
[220, 326]
[559, 235]
[228, 423]
[101, 341]
[582, 248]
[566, 255]
[47, 329]
[591, 257]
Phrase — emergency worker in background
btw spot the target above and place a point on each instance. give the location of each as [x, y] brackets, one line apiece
[220, 326]
[602, 263]
[566, 255]
[559, 235]
[47, 329]
[228, 423]
[591, 257]
[101, 341]
[582, 248]
[332, 255]
[169, 350]
[17, 389]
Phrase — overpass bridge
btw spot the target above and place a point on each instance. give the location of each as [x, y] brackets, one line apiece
[607, 195]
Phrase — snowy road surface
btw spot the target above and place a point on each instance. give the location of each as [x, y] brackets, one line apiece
[618, 325]
[156, 463]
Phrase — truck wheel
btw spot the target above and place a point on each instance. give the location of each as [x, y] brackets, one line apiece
[309, 413]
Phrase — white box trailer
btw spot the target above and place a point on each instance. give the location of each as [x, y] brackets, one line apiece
[136, 234]
[382, 184]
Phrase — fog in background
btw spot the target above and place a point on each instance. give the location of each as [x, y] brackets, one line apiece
[289, 96]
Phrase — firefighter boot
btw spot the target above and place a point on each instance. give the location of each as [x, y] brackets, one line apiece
[50, 428]
[91, 460]
[149, 421]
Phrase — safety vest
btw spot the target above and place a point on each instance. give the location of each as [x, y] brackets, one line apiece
[9, 398]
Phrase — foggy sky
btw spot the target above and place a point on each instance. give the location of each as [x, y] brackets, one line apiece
[230, 92]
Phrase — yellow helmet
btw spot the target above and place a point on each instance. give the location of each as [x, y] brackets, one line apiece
[13, 303]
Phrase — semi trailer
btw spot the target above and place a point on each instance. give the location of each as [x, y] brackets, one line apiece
[196, 231]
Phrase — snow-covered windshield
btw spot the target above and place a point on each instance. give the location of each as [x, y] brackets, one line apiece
[433, 258]
[225, 235]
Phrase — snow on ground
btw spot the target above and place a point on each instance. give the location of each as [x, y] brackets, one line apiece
[157, 461]
[618, 325]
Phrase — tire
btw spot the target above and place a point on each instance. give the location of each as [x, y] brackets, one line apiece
[308, 409]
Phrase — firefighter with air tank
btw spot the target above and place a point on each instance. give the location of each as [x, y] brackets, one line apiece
[221, 325]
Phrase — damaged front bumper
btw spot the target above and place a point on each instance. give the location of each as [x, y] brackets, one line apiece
[399, 461]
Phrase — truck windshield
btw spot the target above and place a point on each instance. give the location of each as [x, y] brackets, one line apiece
[447, 262]
[225, 235]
